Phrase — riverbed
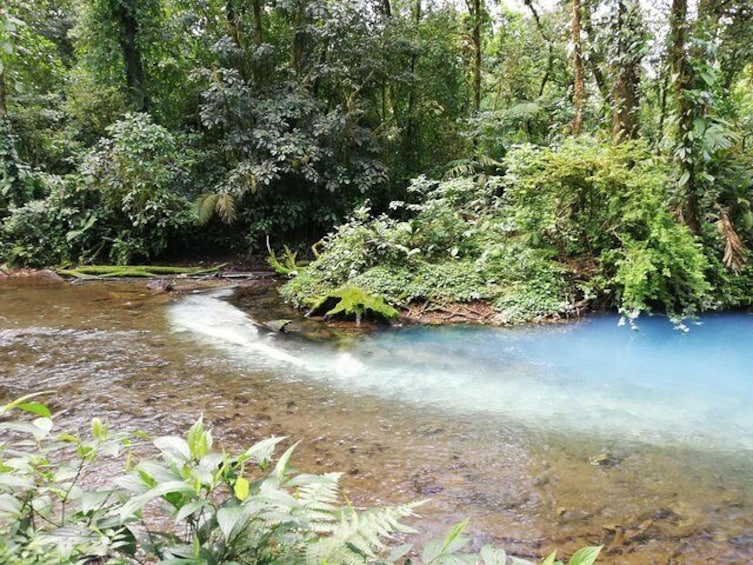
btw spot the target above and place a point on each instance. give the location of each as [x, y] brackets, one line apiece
[556, 437]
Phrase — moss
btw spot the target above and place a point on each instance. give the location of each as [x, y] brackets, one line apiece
[353, 301]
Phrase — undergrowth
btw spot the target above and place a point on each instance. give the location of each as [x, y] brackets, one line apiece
[564, 228]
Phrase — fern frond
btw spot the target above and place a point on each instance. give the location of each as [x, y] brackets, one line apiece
[459, 169]
[359, 535]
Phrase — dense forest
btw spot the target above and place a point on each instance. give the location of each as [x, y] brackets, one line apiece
[542, 158]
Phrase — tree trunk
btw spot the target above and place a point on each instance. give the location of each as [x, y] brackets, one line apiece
[475, 10]
[625, 86]
[3, 97]
[579, 87]
[258, 22]
[550, 46]
[125, 15]
[596, 58]
[682, 75]
[412, 141]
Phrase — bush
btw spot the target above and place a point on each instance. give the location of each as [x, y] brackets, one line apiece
[139, 178]
[234, 508]
[566, 225]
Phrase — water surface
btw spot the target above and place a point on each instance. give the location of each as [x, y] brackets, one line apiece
[544, 437]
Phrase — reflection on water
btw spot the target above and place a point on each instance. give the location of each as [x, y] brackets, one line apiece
[547, 437]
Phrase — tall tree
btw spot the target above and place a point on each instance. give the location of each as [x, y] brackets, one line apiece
[682, 74]
[125, 13]
[579, 85]
[626, 55]
[476, 13]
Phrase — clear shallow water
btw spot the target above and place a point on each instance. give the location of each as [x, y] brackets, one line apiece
[526, 483]
[598, 379]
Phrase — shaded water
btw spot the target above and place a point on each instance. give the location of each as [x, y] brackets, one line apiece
[545, 437]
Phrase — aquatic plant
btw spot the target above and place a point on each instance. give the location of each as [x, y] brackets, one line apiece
[191, 504]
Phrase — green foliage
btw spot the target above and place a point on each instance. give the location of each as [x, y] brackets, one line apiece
[53, 230]
[455, 246]
[575, 223]
[246, 507]
[353, 301]
[586, 201]
[17, 184]
[138, 177]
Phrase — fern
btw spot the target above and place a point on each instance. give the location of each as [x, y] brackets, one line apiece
[359, 536]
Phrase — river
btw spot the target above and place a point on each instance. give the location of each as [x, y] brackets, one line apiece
[545, 437]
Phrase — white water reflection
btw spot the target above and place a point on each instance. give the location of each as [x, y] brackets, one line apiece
[656, 385]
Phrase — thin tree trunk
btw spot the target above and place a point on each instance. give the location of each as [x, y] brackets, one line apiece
[579, 89]
[412, 141]
[550, 46]
[596, 58]
[258, 22]
[3, 97]
[475, 10]
[132, 60]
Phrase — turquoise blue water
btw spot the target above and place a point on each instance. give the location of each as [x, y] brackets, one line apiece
[655, 385]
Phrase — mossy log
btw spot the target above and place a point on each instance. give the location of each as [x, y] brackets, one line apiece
[353, 301]
[133, 271]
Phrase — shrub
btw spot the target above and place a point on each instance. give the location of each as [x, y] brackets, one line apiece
[139, 178]
[564, 226]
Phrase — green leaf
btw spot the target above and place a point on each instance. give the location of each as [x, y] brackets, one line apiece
[199, 439]
[550, 559]
[437, 550]
[16, 403]
[188, 509]
[135, 504]
[241, 488]
[585, 556]
[174, 449]
[261, 452]
[231, 519]
[35, 408]
[493, 556]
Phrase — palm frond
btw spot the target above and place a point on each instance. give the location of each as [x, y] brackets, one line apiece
[735, 252]
[204, 207]
[225, 207]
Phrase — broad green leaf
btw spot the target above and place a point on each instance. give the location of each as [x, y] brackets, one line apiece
[262, 452]
[43, 426]
[189, 509]
[241, 488]
[35, 408]
[493, 556]
[550, 559]
[22, 400]
[135, 504]
[231, 519]
[199, 439]
[585, 556]
[173, 448]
